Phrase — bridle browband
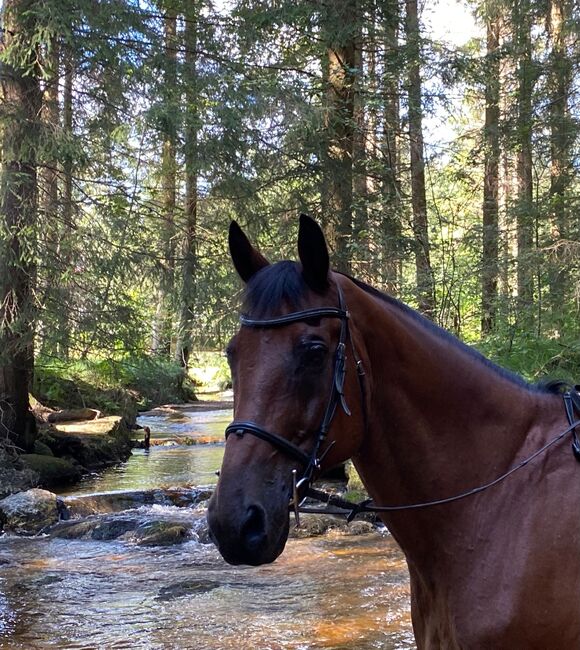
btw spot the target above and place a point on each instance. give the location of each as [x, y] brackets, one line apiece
[312, 460]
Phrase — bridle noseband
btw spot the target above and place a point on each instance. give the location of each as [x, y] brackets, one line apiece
[310, 461]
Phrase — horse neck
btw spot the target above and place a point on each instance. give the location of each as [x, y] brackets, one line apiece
[441, 421]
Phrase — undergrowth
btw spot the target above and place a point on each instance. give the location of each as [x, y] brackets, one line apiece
[535, 358]
[110, 385]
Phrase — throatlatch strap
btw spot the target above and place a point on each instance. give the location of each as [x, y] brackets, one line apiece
[572, 403]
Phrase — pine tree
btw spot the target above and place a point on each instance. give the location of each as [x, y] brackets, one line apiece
[423, 270]
[19, 210]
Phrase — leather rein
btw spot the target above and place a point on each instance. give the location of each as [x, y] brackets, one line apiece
[301, 488]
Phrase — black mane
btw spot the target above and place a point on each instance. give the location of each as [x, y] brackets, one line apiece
[273, 286]
[282, 283]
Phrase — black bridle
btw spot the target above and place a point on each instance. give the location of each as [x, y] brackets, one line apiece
[312, 460]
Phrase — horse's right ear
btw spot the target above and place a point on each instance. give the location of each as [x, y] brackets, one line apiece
[247, 260]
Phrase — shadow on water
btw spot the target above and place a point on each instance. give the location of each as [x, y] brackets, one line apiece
[335, 592]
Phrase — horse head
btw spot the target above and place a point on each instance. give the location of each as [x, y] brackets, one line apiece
[293, 365]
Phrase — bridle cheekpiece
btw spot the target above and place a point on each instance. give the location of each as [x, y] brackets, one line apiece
[312, 460]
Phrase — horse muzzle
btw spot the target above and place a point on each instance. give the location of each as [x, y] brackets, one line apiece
[248, 533]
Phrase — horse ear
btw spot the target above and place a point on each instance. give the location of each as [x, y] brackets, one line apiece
[247, 260]
[313, 253]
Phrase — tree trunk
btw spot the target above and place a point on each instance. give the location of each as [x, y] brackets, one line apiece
[18, 208]
[490, 261]
[525, 204]
[423, 270]
[66, 295]
[562, 132]
[340, 31]
[189, 257]
[391, 213]
[162, 326]
[51, 125]
[48, 200]
[359, 160]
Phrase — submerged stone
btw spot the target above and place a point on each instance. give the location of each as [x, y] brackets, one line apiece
[186, 588]
[114, 528]
[74, 529]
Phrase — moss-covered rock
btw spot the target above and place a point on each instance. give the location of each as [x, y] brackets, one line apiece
[52, 471]
[42, 449]
[30, 512]
[161, 533]
[14, 475]
[354, 483]
[74, 529]
[314, 525]
[112, 528]
[93, 444]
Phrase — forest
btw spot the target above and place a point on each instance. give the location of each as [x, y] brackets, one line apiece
[132, 133]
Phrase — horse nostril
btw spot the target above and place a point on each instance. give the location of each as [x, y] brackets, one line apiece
[253, 528]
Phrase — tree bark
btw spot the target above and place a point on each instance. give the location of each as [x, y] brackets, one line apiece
[391, 213]
[48, 200]
[359, 159]
[525, 204]
[562, 132]
[339, 33]
[490, 248]
[66, 295]
[162, 325]
[423, 270]
[189, 257]
[18, 209]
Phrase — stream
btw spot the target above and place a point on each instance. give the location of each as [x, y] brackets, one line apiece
[337, 591]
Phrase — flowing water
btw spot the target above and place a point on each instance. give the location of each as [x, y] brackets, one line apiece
[168, 464]
[337, 591]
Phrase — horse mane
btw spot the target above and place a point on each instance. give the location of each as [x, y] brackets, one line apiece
[283, 283]
[271, 287]
[542, 386]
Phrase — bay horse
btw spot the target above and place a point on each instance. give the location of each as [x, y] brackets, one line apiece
[424, 417]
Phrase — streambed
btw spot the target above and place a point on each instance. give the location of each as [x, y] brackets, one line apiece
[337, 591]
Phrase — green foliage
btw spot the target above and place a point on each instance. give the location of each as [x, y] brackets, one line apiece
[210, 372]
[259, 112]
[110, 385]
[534, 358]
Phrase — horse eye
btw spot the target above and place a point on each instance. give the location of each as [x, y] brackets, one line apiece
[316, 353]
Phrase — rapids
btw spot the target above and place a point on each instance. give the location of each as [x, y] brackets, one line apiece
[336, 591]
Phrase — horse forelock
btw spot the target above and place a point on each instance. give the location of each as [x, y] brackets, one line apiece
[273, 287]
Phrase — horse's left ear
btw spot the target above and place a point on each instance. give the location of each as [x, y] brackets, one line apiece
[313, 253]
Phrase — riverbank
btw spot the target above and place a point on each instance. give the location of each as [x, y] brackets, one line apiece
[97, 404]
